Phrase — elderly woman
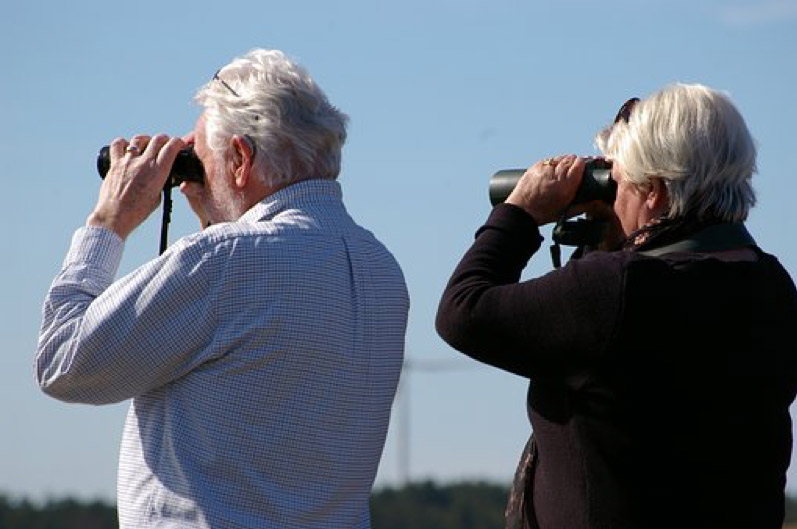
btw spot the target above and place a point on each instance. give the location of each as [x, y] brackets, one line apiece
[661, 372]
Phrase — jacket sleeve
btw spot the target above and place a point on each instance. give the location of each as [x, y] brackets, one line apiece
[558, 323]
[103, 341]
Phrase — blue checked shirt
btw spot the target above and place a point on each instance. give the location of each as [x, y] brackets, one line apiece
[262, 357]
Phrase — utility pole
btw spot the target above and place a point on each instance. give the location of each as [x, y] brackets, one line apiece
[404, 404]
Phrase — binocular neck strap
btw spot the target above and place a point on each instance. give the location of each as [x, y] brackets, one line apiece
[167, 217]
[715, 238]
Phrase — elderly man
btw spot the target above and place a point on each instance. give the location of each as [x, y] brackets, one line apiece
[262, 353]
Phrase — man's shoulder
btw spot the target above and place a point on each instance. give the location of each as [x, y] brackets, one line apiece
[219, 235]
[280, 233]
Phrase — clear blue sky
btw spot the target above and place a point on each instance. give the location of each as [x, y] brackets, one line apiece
[441, 94]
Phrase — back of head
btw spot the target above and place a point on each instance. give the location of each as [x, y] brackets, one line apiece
[695, 139]
[273, 101]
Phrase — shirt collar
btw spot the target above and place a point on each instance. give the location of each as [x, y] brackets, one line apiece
[306, 192]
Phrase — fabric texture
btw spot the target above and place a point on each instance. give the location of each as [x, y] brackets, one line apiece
[659, 387]
[262, 357]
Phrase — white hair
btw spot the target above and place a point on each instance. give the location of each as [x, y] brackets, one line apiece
[297, 133]
[696, 141]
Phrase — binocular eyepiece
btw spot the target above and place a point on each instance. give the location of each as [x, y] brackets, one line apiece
[596, 183]
[187, 167]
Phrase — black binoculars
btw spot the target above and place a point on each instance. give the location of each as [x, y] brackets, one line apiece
[596, 184]
[187, 167]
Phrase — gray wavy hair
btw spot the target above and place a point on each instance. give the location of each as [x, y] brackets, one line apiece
[297, 133]
[693, 138]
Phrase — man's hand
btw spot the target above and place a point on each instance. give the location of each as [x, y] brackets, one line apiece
[196, 193]
[548, 187]
[131, 189]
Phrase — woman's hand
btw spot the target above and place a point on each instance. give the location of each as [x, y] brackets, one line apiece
[613, 235]
[547, 188]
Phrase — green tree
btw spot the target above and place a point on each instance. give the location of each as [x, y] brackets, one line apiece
[424, 505]
[791, 510]
[427, 505]
[56, 514]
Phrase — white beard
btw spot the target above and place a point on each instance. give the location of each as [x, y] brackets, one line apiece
[225, 203]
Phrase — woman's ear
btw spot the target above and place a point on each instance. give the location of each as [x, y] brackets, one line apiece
[657, 198]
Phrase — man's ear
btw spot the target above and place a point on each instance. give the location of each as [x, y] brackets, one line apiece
[657, 199]
[243, 160]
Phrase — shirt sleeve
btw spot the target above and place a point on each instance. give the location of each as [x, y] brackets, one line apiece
[556, 324]
[103, 341]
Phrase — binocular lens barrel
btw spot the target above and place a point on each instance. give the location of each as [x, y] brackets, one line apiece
[187, 167]
[502, 183]
[596, 184]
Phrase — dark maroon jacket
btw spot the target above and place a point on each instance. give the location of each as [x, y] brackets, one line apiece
[659, 386]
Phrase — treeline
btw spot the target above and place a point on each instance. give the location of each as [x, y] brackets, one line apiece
[56, 514]
[425, 505]
[430, 506]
